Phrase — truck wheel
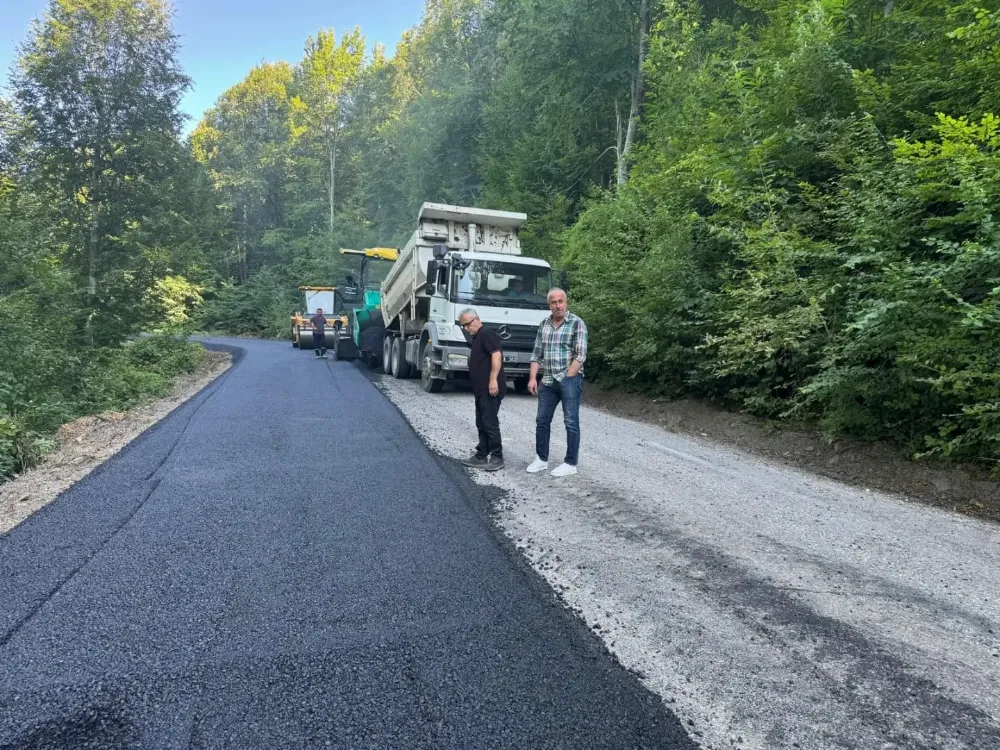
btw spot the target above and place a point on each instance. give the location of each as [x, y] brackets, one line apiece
[398, 363]
[387, 354]
[427, 380]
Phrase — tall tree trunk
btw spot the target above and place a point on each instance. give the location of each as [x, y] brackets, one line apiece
[93, 249]
[331, 157]
[638, 85]
[242, 267]
[621, 173]
[241, 260]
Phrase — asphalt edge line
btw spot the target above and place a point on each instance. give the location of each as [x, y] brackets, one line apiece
[487, 514]
[201, 397]
[201, 394]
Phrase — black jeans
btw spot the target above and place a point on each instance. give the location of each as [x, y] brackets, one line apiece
[488, 424]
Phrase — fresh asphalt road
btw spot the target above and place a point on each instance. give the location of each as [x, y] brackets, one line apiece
[282, 563]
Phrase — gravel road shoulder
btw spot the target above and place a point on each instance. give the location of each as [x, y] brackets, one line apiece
[86, 443]
[768, 607]
[962, 488]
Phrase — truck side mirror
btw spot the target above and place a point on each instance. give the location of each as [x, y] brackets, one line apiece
[432, 275]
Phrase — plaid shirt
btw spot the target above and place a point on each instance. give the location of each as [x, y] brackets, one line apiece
[556, 348]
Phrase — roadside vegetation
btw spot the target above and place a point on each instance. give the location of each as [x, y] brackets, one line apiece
[99, 205]
[782, 205]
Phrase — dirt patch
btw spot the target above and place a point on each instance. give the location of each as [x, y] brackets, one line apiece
[85, 443]
[962, 488]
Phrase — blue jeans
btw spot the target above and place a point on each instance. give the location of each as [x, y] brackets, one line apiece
[569, 391]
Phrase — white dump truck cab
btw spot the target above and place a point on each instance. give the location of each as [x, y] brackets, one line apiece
[462, 258]
[507, 293]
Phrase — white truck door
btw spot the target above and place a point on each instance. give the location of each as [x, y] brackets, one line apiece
[440, 307]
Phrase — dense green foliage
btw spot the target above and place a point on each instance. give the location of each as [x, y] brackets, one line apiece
[45, 383]
[809, 221]
[99, 202]
[785, 205]
[800, 224]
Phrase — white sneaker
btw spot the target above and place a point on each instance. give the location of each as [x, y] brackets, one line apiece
[564, 470]
[537, 465]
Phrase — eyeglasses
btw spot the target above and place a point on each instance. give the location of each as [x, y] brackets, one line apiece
[466, 325]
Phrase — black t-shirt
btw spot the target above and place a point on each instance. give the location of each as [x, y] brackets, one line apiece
[484, 343]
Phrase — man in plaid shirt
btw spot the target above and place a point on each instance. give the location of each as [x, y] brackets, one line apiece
[560, 351]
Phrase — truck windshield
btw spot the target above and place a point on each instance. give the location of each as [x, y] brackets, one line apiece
[502, 284]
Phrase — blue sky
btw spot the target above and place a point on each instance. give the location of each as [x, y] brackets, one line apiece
[222, 39]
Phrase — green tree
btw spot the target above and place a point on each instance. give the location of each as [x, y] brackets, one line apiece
[98, 86]
[244, 142]
[324, 82]
[786, 205]
[379, 97]
[562, 111]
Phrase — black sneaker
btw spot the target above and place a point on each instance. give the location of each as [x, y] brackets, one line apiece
[478, 462]
[494, 463]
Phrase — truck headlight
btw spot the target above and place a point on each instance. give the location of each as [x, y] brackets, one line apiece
[458, 360]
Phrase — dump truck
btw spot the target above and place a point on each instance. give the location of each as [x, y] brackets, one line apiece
[313, 298]
[361, 298]
[461, 257]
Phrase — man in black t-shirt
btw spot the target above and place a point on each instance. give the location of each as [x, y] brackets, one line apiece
[489, 385]
[319, 332]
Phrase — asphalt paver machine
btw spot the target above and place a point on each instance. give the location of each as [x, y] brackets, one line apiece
[360, 298]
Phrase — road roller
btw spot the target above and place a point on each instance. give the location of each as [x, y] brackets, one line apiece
[313, 298]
